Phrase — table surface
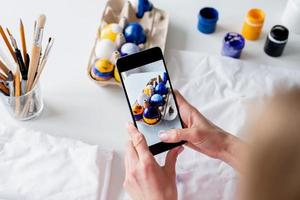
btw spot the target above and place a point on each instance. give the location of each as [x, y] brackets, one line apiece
[77, 108]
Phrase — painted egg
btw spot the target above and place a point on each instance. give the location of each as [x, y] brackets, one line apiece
[137, 111]
[104, 66]
[105, 48]
[110, 31]
[142, 98]
[117, 75]
[161, 89]
[134, 33]
[100, 76]
[148, 90]
[157, 100]
[129, 48]
[151, 115]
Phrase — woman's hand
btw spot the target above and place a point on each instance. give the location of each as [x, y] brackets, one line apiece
[145, 179]
[203, 136]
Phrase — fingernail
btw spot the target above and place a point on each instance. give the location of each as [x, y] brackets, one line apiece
[162, 135]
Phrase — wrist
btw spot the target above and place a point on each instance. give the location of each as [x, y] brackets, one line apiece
[232, 150]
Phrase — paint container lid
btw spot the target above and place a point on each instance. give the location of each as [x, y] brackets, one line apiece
[209, 15]
[234, 40]
[279, 34]
[255, 16]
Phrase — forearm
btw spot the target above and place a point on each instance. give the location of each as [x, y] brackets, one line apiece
[233, 150]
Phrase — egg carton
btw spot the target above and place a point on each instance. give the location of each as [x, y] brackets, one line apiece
[154, 22]
[168, 111]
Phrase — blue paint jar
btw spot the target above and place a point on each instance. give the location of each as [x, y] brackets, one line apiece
[233, 45]
[207, 20]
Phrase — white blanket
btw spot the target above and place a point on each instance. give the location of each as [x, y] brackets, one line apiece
[220, 88]
[38, 166]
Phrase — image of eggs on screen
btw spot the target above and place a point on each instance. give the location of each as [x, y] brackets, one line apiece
[151, 100]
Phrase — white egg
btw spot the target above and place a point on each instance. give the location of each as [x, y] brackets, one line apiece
[105, 48]
[116, 28]
[142, 98]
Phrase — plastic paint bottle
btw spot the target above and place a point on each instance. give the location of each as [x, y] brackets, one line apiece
[233, 45]
[291, 16]
[253, 24]
[207, 20]
[276, 41]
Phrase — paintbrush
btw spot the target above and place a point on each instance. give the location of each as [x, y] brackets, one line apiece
[21, 64]
[10, 83]
[43, 61]
[24, 48]
[4, 69]
[7, 43]
[18, 56]
[5, 59]
[3, 77]
[3, 89]
[17, 82]
[36, 51]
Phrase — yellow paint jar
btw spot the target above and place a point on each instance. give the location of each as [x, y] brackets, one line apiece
[253, 24]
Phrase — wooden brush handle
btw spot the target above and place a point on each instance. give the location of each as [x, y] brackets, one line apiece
[33, 66]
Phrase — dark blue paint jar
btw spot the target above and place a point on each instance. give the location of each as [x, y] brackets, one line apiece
[207, 20]
[233, 45]
[276, 41]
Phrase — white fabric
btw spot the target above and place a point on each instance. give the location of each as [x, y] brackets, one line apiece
[35, 165]
[220, 88]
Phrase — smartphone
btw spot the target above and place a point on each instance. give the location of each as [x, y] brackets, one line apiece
[150, 96]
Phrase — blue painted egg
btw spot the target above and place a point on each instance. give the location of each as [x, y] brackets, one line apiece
[134, 33]
[161, 89]
[151, 115]
[129, 48]
[157, 100]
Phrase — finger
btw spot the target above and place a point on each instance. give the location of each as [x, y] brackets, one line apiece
[131, 156]
[139, 141]
[184, 107]
[171, 159]
[177, 135]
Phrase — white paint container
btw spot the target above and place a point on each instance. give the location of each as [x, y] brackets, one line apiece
[291, 16]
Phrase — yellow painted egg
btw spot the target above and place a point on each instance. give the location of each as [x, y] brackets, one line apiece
[117, 75]
[104, 66]
[138, 111]
[110, 31]
[148, 90]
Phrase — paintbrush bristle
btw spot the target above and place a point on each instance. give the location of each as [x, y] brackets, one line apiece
[41, 21]
[8, 31]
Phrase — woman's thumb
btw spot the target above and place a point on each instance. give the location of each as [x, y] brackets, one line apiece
[171, 159]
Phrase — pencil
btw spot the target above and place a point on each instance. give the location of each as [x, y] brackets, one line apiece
[23, 41]
[7, 43]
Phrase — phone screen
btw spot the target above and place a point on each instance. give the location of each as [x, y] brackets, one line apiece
[151, 100]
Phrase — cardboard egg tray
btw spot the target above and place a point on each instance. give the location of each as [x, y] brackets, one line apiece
[155, 24]
[162, 109]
